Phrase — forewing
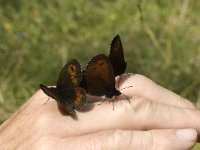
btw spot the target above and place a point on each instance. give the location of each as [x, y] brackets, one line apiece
[60, 99]
[116, 56]
[52, 92]
[80, 98]
[70, 76]
[64, 103]
[98, 78]
[75, 97]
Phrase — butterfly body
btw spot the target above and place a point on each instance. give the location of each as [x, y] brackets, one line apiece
[112, 93]
[68, 94]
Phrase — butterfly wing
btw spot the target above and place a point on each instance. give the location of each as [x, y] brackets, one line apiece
[70, 76]
[52, 92]
[68, 84]
[98, 77]
[77, 100]
[116, 56]
[55, 94]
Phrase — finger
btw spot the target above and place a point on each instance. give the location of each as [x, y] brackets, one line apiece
[140, 114]
[146, 88]
[182, 139]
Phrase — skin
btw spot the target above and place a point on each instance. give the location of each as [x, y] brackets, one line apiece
[155, 118]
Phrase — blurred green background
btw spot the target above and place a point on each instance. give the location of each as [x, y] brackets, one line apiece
[161, 40]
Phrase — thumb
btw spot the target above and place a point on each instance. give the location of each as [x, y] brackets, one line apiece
[173, 139]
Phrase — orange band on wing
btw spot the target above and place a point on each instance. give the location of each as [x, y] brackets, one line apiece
[71, 69]
[79, 97]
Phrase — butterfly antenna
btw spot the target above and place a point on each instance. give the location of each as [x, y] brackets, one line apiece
[116, 97]
[126, 87]
[46, 101]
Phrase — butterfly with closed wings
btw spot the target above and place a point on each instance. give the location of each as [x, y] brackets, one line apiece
[99, 75]
[67, 93]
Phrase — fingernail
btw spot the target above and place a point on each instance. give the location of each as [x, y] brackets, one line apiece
[187, 134]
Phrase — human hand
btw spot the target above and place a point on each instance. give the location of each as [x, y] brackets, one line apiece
[156, 118]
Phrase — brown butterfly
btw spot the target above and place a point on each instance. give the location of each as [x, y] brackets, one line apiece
[68, 94]
[99, 75]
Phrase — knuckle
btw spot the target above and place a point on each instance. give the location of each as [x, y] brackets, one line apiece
[143, 109]
[136, 105]
[156, 144]
[42, 120]
[137, 140]
[123, 106]
[146, 110]
[133, 140]
[119, 139]
[45, 143]
[151, 141]
[188, 103]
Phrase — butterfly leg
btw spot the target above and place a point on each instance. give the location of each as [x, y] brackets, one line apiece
[113, 101]
[113, 105]
[102, 101]
[127, 98]
[46, 101]
[116, 97]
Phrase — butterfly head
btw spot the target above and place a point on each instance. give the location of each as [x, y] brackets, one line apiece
[112, 93]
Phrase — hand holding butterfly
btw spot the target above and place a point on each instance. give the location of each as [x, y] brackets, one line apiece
[156, 118]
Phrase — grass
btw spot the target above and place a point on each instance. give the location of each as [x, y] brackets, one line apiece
[161, 41]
